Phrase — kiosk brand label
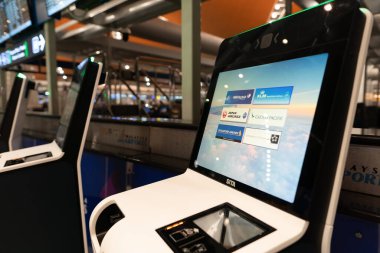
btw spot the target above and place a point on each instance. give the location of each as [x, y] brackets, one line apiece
[230, 133]
[273, 96]
[239, 97]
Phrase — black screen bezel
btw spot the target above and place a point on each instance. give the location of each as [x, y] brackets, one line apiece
[10, 112]
[336, 46]
[75, 86]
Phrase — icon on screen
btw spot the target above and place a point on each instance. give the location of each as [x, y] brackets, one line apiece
[274, 138]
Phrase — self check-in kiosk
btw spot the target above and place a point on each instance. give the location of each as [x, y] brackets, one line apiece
[14, 114]
[267, 165]
[40, 187]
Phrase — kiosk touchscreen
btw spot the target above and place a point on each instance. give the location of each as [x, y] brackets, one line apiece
[40, 187]
[14, 115]
[268, 160]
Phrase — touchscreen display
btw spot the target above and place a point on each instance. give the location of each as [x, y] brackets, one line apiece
[259, 123]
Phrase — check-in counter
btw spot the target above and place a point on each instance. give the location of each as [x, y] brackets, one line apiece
[164, 143]
[357, 224]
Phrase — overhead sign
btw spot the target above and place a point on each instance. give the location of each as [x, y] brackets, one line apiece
[21, 52]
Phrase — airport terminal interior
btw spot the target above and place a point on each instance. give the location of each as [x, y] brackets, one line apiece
[190, 126]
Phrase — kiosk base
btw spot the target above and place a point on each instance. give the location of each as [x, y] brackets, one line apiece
[137, 214]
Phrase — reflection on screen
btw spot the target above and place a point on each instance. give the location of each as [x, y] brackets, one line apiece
[14, 17]
[70, 102]
[54, 6]
[259, 123]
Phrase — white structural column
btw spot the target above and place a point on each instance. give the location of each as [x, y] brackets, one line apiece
[190, 59]
[51, 66]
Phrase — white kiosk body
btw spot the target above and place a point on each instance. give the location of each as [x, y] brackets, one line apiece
[268, 160]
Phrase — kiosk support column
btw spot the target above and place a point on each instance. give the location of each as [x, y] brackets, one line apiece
[51, 66]
[190, 43]
[3, 90]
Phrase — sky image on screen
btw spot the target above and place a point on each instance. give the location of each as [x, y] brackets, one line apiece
[259, 123]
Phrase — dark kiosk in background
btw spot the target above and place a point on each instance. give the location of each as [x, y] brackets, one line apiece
[41, 188]
[14, 115]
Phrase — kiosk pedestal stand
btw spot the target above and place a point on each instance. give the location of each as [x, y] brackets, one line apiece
[268, 160]
[40, 187]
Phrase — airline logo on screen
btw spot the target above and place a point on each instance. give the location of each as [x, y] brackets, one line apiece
[239, 97]
[268, 117]
[232, 114]
[230, 133]
[262, 138]
[273, 96]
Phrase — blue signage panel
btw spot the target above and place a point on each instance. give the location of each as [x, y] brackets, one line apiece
[239, 97]
[273, 96]
[230, 133]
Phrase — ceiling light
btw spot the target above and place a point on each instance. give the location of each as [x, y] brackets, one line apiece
[116, 35]
[60, 70]
[328, 7]
[143, 5]
[163, 18]
[110, 17]
[72, 7]
[278, 11]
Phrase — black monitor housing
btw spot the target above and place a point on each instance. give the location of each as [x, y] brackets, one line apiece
[14, 114]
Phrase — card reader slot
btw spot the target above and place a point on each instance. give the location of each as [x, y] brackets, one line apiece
[28, 158]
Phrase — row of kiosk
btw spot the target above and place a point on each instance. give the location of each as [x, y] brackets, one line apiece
[41, 186]
[267, 165]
